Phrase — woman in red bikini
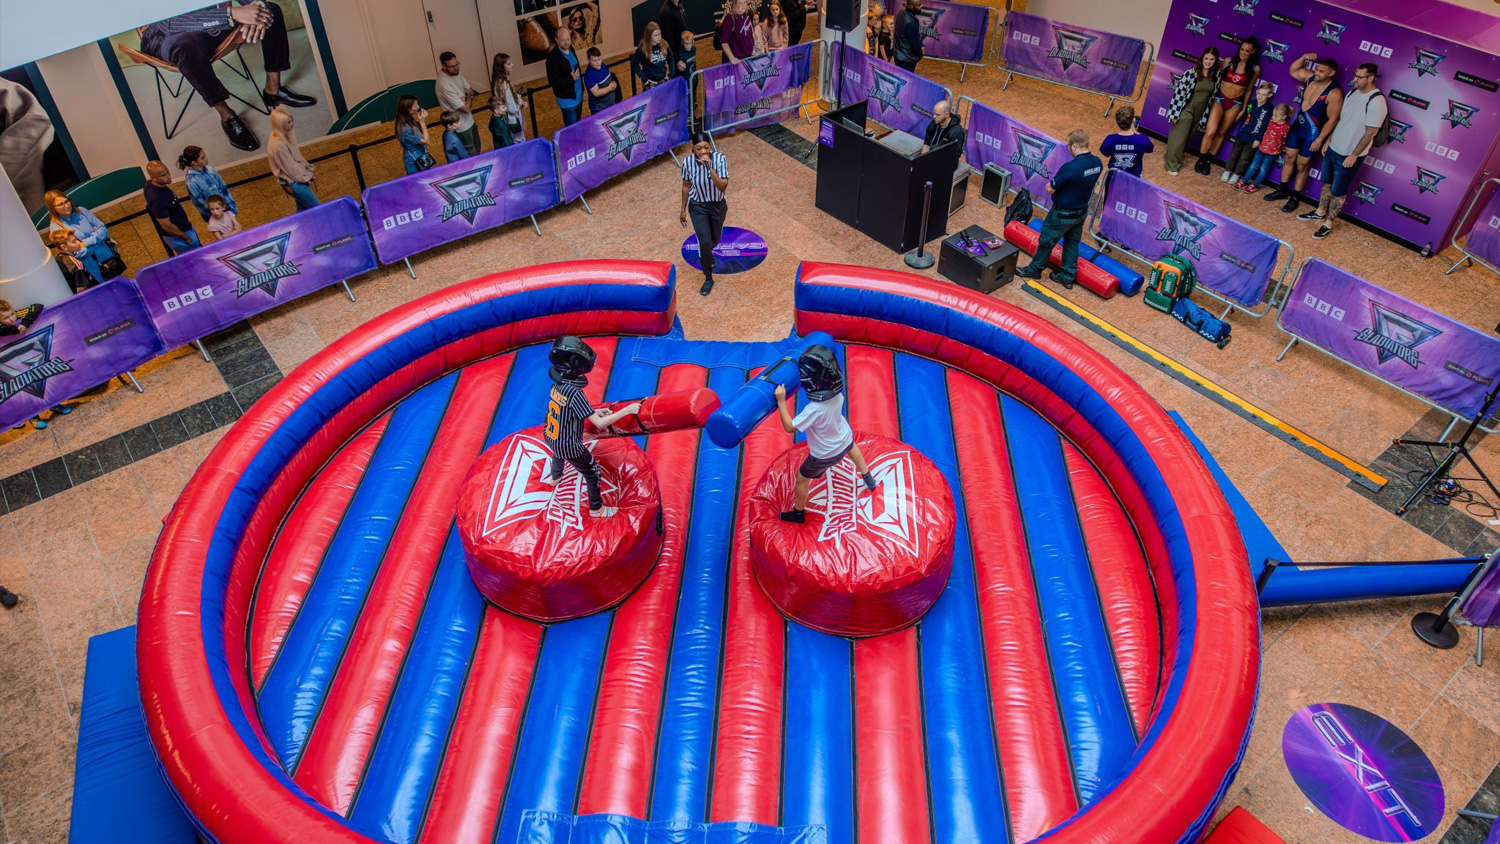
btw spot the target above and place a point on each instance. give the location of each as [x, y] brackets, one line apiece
[1240, 77]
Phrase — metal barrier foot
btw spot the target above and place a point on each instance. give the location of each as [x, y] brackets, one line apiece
[409, 270]
[347, 291]
[203, 351]
[1461, 262]
[1287, 349]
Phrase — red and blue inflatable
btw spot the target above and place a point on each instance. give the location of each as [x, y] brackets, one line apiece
[316, 665]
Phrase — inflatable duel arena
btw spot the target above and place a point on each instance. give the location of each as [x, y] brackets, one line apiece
[385, 608]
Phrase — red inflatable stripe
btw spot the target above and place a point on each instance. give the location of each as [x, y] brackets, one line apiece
[1089, 275]
[300, 545]
[344, 734]
[1033, 753]
[747, 756]
[891, 775]
[476, 768]
[622, 745]
[1125, 591]
[604, 348]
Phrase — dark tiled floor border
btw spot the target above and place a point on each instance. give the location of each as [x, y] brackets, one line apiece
[1487, 800]
[247, 369]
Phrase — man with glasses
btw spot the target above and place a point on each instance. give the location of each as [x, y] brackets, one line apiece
[1360, 120]
[454, 93]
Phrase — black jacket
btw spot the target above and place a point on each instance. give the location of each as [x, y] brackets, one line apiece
[938, 135]
[673, 20]
[560, 74]
[908, 38]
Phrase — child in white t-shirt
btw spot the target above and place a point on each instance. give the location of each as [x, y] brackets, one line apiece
[221, 221]
[829, 437]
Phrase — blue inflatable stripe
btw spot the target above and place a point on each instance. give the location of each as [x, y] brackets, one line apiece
[1090, 697]
[968, 800]
[298, 680]
[555, 729]
[818, 767]
[403, 766]
[684, 752]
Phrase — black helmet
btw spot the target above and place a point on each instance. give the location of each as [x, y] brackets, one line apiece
[571, 358]
[818, 370]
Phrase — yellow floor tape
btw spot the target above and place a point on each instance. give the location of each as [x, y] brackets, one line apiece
[1183, 373]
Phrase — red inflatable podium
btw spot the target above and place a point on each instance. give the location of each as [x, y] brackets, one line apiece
[864, 563]
[534, 550]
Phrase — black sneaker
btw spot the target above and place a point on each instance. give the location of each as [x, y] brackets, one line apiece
[1203, 166]
[287, 97]
[1023, 272]
[1277, 195]
[1322, 232]
[8, 598]
[795, 516]
[1067, 283]
[1290, 206]
[239, 134]
[1312, 215]
[708, 286]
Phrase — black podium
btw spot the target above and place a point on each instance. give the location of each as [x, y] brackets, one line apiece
[873, 186]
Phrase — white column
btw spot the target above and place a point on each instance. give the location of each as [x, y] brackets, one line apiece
[27, 272]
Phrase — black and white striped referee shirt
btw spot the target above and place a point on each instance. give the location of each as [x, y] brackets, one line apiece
[698, 175]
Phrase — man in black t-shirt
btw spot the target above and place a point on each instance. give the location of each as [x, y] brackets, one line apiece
[567, 408]
[165, 209]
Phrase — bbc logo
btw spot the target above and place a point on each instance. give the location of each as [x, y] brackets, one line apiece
[1133, 213]
[1439, 149]
[1375, 49]
[397, 220]
[190, 297]
[1323, 307]
[580, 158]
[1026, 38]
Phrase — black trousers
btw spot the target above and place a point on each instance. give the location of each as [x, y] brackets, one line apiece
[1240, 156]
[588, 467]
[708, 222]
[193, 52]
[911, 66]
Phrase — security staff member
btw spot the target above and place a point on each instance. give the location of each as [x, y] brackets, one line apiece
[1070, 188]
[705, 178]
[944, 128]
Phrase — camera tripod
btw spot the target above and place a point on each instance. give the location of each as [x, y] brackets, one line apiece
[1456, 449]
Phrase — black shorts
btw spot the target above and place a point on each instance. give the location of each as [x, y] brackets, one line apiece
[815, 467]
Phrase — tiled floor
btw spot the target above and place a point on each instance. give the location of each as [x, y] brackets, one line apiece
[114, 467]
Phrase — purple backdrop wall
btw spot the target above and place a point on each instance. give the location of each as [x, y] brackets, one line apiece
[76, 344]
[898, 98]
[1443, 98]
[757, 89]
[1030, 156]
[956, 31]
[625, 135]
[202, 291]
[1444, 361]
[417, 212]
[1071, 54]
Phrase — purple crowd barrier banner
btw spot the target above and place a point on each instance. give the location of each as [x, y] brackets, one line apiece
[955, 31]
[1442, 96]
[1030, 156]
[756, 91]
[76, 344]
[1231, 258]
[1482, 608]
[204, 290]
[417, 212]
[625, 135]
[1072, 55]
[1484, 235]
[1393, 338]
[898, 98]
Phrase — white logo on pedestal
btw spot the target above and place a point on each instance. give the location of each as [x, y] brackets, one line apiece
[518, 492]
[839, 496]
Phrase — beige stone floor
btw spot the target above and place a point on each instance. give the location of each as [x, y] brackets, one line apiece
[78, 559]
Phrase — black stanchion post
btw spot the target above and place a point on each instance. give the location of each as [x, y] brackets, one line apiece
[922, 259]
[531, 107]
[1266, 570]
[359, 172]
[1436, 629]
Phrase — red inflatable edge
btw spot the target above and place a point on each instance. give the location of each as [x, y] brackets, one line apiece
[1089, 274]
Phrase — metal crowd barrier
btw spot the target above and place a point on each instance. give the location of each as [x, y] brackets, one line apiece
[1470, 257]
[819, 52]
[1141, 84]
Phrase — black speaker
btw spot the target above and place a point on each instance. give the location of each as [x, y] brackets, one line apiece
[841, 15]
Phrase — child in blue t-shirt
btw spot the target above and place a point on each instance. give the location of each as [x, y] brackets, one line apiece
[453, 145]
[1126, 150]
[600, 82]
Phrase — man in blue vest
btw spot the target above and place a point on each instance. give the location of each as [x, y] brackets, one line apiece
[1070, 189]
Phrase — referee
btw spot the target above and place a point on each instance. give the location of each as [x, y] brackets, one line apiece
[705, 177]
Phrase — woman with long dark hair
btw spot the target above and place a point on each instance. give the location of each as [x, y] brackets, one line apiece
[1190, 95]
[411, 132]
[505, 104]
[1237, 81]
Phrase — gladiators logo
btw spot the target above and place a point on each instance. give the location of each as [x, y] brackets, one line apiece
[1396, 335]
[927, 23]
[464, 194]
[1366, 193]
[625, 132]
[519, 493]
[1275, 51]
[1184, 229]
[887, 89]
[1331, 32]
[753, 108]
[1398, 131]
[1246, 7]
[758, 69]
[1072, 47]
[261, 266]
[1427, 181]
[837, 495]
[1426, 63]
[1031, 154]
[1197, 23]
[26, 364]
[1459, 114]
